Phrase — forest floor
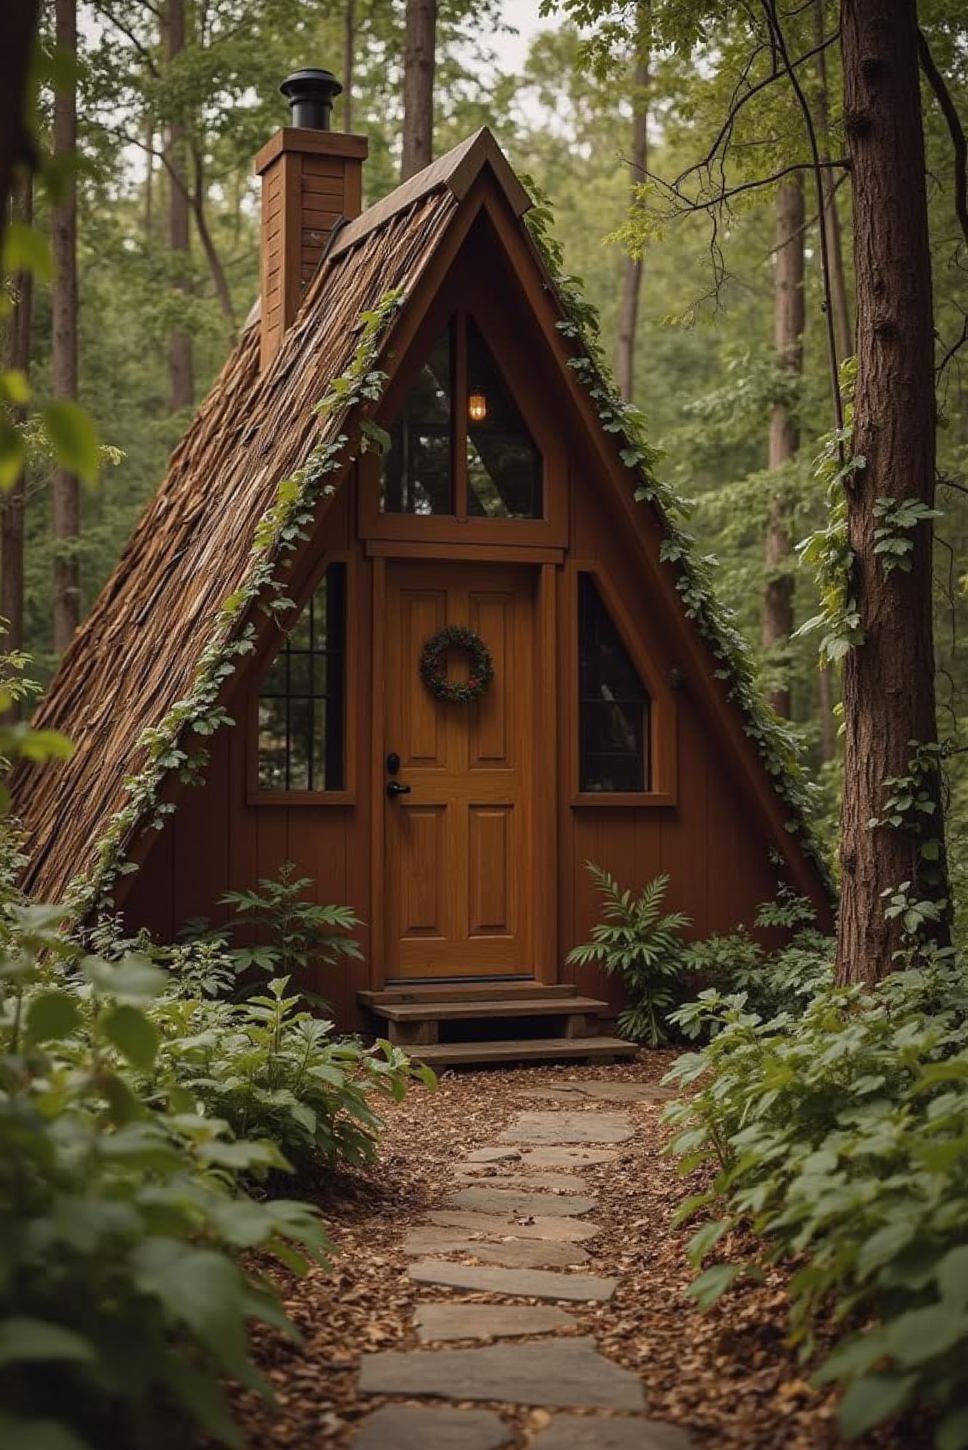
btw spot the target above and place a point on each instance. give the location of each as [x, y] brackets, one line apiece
[724, 1377]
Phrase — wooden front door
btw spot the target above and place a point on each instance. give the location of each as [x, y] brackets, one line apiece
[459, 854]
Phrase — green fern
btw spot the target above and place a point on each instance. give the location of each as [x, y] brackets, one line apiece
[643, 947]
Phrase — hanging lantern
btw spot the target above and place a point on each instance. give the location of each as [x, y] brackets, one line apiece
[477, 405]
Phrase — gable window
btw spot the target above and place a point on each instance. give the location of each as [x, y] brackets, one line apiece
[460, 446]
[613, 703]
[302, 697]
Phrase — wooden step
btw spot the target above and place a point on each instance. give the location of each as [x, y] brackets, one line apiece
[538, 1049]
[444, 1011]
[461, 992]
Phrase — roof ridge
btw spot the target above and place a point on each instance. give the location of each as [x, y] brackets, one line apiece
[456, 171]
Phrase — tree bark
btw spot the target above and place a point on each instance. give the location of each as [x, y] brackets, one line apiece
[16, 144]
[628, 313]
[181, 373]
[212, 257]
[349, 62]
[888, 685]
[65, 490]
[843, 328]
[419, 59]
[825, 707]
[12, 508]
[788, 322]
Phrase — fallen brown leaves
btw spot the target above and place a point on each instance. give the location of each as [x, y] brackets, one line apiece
[726, 1375]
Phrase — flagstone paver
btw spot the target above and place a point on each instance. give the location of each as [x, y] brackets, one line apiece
[557, 1182]
[529, 1226]
[522, 1283]
[587, 1432]
[575, 1157]
[440, 1322]
[563, 1127]
[499, 1200]
[551, 1372]
[421, 1427]
[511, 1253]
[493, 1155]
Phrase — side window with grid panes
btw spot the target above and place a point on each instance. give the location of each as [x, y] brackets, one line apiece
[302, 697]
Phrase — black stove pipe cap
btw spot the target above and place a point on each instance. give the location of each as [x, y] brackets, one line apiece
[311, 94]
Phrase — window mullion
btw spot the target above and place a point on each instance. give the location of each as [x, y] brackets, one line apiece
[459, 416]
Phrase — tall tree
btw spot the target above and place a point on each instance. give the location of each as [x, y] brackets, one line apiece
[888, 685]
[65, 489]
[628, 315]
[843, 327]
[842, 323]
[419, 62]
[788, 321]
[12, 506]
[349, 59]
[181, 371]
[16, 146]
[638, 163]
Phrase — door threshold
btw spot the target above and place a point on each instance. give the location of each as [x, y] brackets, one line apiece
[463, 979]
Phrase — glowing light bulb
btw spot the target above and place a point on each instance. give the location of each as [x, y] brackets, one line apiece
[477, 406]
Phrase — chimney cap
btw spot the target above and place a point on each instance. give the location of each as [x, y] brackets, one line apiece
[311, 93]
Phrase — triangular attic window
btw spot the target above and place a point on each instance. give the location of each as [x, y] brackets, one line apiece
[503, 463]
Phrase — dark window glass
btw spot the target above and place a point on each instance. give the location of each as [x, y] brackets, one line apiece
[613, 730]
[302, 696]
[416, 474]
[503, 464]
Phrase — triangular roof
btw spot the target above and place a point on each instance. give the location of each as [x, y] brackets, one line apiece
[150, 661]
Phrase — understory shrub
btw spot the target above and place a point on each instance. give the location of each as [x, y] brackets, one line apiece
[643, 947]
[840, 1137]
[124, 1292]
[772, 981]
[298, 933]
[145, 1123]
[270, 1068]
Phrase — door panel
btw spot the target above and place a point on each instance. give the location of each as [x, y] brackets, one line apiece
[459, 845]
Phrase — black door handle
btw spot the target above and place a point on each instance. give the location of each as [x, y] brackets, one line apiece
[394, 788]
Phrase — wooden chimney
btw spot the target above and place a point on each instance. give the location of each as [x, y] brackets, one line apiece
[311, 180]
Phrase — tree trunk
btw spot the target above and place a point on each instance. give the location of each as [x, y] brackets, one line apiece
[12, 508]
[628, 315]
[419, 59]
[788, 322]
[181, 374]
[843, 329]
[349, 62]
[65, 490]
[825, 709]
[888, 684]
[149, 178]
[212, 257]
[16, 144]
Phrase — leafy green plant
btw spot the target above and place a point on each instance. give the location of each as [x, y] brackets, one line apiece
[125, 1288]
[839, 1137]
[271, 1069]
[643, 947]
[300, 932]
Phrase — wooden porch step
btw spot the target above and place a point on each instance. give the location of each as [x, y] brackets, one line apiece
[461, 992]
[444, 1011]
[538, 1049]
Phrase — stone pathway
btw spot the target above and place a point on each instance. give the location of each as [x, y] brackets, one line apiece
[519, 1211]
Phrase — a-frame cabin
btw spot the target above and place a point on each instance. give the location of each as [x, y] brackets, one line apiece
[606, 720]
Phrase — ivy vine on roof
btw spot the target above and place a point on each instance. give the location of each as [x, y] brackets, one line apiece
[776, 742]
[277, 535]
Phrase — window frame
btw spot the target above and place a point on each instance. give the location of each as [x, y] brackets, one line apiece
[346, 795]
[505, 346]
[662, 771]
